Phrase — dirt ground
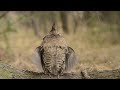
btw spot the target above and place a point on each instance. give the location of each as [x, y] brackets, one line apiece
[8, 72]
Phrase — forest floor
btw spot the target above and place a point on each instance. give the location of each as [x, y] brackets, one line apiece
[8, 72]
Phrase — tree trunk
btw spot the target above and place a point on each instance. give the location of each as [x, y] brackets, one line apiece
[64, 19]
[35, 27]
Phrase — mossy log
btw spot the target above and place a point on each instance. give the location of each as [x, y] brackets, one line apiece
[8, 72]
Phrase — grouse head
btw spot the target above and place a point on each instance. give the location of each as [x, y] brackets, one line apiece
[53, 30]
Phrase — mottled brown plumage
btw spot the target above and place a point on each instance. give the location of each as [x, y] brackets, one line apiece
[53, 55]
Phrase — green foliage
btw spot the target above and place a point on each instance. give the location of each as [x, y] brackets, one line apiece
[9, 27]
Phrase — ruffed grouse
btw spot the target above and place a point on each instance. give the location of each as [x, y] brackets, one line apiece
[54, 56]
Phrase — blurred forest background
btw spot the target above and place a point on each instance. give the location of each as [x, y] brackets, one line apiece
[94, 35]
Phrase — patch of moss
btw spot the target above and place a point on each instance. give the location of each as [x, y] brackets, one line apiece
[5, 74]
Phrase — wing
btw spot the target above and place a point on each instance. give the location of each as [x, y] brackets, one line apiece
[70, 59]
[37, 58]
